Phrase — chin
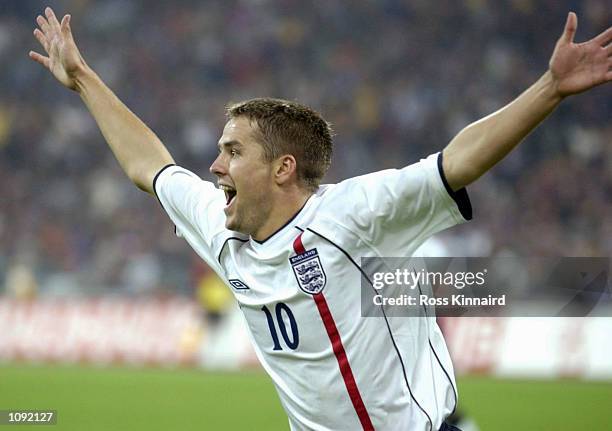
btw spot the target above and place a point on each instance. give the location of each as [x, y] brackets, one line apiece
[234, 226]
[229, 225]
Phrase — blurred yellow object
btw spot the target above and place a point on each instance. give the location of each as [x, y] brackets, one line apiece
[21, 282]
[213, 295]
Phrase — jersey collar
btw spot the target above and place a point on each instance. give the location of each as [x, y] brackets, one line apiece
[287, 227]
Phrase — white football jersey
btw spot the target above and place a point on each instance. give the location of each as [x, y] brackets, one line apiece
[300, 294]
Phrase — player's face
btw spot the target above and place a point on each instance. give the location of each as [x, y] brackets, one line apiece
[245, 177]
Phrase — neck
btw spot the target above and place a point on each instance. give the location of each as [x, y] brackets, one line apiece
[281, 214]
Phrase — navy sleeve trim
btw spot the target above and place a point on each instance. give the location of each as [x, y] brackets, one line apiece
[157, 176]
[155, 191]
[460, 196]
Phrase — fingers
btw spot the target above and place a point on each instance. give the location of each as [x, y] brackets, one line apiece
[604, 38]
[65, 24]
[39, 58]
[48, 23]
[49, 28]
[42, 39]
[570, 28]
[51, 18]
[43, 24]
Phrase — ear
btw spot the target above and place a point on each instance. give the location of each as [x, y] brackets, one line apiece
[285, 169]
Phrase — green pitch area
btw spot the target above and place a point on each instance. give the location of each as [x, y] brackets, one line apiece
[152, 399]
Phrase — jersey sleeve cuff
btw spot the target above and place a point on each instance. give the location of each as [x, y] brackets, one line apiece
[157, 176]
[460, 196]
[176, 231]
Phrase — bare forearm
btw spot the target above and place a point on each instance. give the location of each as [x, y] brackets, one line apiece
[139, 151]
[482, 144]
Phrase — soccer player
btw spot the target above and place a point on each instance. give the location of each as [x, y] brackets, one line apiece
[290, 248]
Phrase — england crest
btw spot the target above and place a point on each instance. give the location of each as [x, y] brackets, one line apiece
[309, 271]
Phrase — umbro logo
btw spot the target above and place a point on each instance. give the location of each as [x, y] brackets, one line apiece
[237, 284]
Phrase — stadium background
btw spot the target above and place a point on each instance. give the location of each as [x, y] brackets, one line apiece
[397, 79]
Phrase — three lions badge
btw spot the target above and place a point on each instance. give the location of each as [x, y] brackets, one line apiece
[309, 271]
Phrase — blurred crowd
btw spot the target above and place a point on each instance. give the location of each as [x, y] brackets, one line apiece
[396, 78]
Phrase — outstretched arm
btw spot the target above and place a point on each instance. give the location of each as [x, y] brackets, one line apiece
[139, 151]
[573, 68]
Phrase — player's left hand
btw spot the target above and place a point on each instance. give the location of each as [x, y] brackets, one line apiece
[576, 67]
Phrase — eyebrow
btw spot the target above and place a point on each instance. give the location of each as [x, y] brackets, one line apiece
[229, 144]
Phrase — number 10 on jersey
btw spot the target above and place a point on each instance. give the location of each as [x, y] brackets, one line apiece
[292, 340]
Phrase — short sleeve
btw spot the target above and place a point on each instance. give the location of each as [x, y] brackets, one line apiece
[194, 206]
[396, 210]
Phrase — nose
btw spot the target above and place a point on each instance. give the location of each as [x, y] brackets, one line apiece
[218, 167]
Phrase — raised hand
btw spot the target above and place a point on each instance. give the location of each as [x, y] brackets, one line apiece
[576, 67]
[63, 58]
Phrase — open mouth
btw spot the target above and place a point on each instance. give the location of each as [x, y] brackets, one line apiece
[230, 193]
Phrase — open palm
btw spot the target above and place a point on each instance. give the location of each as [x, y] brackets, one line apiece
[63, 58]
[576, 67]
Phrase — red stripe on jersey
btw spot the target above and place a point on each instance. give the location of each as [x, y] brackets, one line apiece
[338, 348]
[298, 247]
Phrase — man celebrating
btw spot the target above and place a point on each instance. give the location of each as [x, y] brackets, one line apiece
[290, 248]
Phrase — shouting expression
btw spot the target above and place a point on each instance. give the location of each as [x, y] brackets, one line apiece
[244, 176]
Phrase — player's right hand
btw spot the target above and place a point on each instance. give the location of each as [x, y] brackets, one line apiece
[63, 58]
